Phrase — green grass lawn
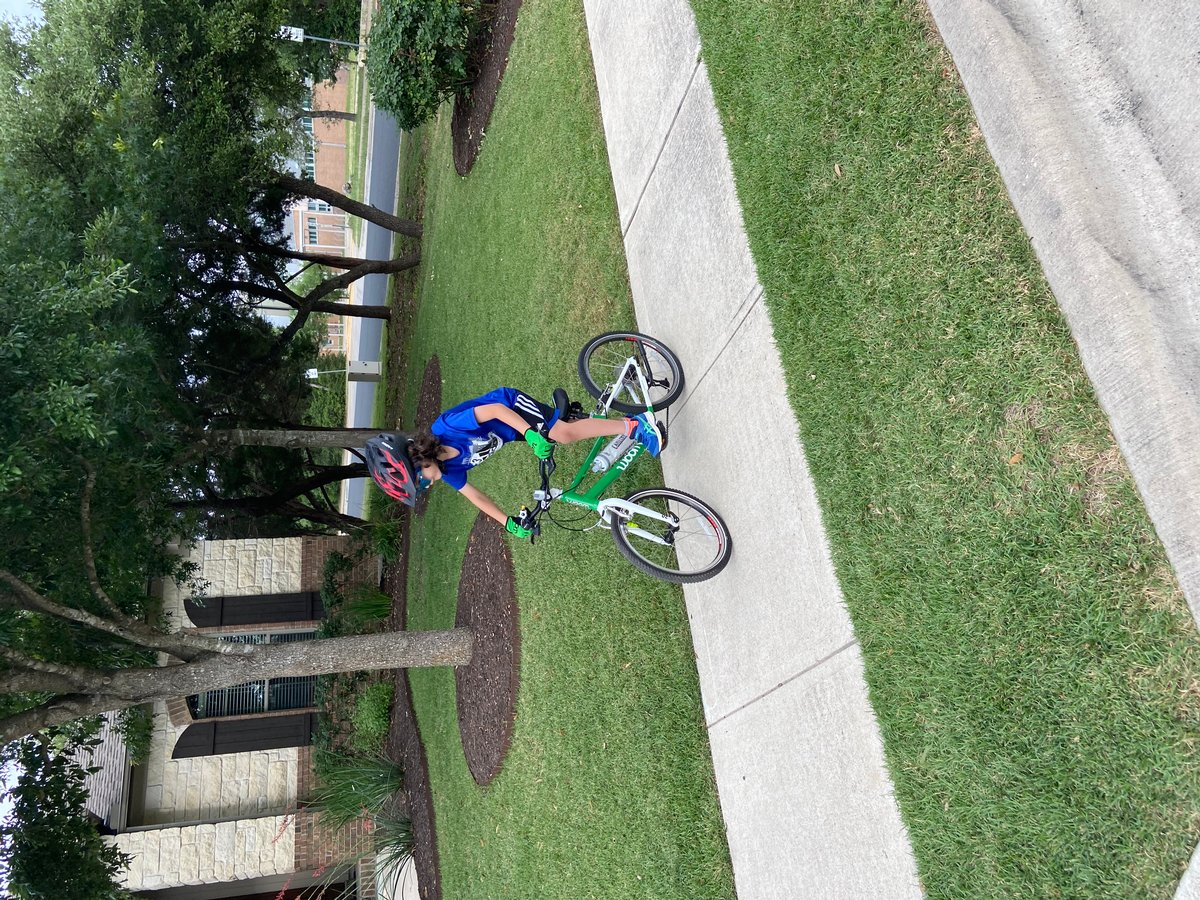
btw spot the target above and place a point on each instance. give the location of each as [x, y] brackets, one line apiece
[607, 790]
[359, 98]
[1031, 660]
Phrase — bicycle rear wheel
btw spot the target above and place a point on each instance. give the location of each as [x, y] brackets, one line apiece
[603, 357]
[696, 547]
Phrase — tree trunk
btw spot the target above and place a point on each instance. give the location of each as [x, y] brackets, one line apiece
[333, 260]
[329, 114]
[291, 439]
[328, 286]
[361, 310]
[123, 688]
[369, 267]
[306, 188]
[266, 504]
[296, 302]
[336, 520]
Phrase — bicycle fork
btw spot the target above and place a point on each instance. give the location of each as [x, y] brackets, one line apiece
[614, 508]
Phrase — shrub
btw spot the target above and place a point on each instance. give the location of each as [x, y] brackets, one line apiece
[136, 725]
[348, 785]
[372, 718]
[366, 606]
[417, 56]
[393, 841]
[385, 536]
[337, 566]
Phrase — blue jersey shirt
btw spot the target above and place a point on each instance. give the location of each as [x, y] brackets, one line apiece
[457, 427]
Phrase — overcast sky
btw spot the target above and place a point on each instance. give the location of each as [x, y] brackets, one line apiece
[16, 9]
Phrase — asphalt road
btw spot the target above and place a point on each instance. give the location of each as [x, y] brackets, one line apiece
[383, 154]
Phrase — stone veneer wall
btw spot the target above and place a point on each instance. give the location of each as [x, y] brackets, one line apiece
[237, 568]
[258, 791]
[235, 784]
[202, 854]
[232, 785]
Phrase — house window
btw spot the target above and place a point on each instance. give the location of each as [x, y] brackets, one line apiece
[319, 206]
[312, 231]
[266, 695]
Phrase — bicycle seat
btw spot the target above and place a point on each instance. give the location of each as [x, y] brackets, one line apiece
[568, 410]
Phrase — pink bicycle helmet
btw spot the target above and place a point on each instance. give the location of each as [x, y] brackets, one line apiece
[388, 461]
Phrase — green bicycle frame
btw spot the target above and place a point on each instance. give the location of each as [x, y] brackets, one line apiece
[590, 499]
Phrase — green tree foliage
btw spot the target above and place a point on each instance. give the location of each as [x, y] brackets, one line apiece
[49, 850]
[335, 19]
[147, 138]
[142, 201]
[139, 140]
[417, 56]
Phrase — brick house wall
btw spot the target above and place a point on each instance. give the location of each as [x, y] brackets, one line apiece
[236, 784]
[329, 135]
[316, 226]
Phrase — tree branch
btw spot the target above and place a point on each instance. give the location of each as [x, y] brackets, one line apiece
[306, 188]
[78, 677]
[58, 711]
[89, 558]
[20, 595]
[328, 286]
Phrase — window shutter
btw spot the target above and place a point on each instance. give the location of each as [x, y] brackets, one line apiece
[255, 609]
[242, 735]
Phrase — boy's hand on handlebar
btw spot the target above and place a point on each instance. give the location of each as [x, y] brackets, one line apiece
[513, 527]
[542, 446]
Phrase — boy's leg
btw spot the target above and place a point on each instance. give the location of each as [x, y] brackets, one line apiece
[641, 427]
[582, 429]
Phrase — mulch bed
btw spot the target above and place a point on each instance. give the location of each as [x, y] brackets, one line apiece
[487, 688]
[429, 405]
[488, 59]
[404, 742]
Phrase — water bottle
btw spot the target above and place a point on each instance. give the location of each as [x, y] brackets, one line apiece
[617, 447]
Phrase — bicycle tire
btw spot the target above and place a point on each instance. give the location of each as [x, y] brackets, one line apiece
[711, 519]
[674, 368]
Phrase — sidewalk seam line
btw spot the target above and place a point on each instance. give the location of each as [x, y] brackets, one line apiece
[786, 681]
[757, 293]
[661, 148]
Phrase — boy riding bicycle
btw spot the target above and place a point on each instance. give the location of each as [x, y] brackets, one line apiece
[467, 434]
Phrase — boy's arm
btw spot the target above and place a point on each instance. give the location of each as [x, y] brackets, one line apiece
[485, 503]
[491, 411]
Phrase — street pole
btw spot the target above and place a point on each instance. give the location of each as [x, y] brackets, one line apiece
[292, 33]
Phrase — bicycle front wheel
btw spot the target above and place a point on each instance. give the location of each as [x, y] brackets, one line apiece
[603, 358]
[692, 546]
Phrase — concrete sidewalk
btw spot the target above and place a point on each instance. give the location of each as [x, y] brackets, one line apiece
[806, 797]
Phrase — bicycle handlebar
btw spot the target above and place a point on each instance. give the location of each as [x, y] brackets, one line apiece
[528, 518]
